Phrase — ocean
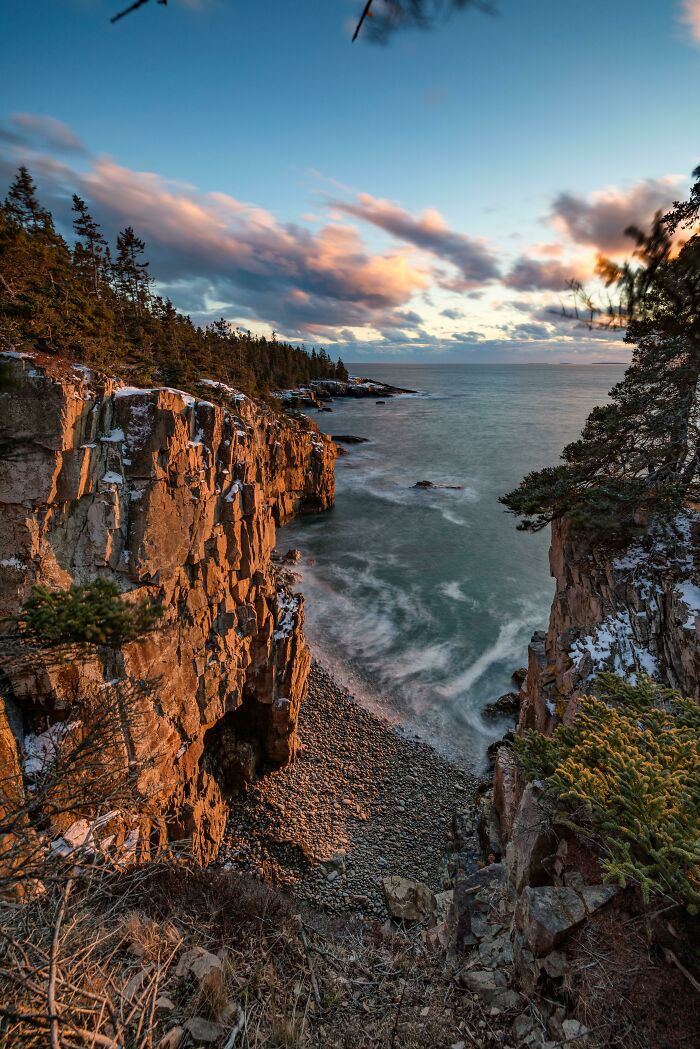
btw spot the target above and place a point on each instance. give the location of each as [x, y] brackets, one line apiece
[422, 601]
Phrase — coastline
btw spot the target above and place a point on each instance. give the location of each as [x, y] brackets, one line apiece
[361, 802]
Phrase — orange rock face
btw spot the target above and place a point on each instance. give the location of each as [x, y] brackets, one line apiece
[176, 498]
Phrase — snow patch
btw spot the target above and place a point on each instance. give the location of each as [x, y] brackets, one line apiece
[41, 750]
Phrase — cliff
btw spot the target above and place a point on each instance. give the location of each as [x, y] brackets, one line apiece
[635, 610]
[174, 497]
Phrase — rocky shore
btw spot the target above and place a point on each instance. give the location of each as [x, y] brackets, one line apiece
[361, 803]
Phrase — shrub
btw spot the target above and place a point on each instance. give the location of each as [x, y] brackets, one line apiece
[92, 614]
[627, 771]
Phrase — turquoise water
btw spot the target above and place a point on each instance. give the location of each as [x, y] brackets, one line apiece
[422, 601]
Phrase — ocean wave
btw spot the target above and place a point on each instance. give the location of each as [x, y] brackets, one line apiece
[453, 591]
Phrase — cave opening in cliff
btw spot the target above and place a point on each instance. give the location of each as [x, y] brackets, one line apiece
[233, 747]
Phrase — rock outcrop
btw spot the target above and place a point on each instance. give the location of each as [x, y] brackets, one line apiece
[177, 498]
[633, 611]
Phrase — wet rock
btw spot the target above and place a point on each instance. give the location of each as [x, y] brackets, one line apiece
[519, 675]
[547, 914]
[506, 706]
[347, 438]
[432, 484]
[292, 557]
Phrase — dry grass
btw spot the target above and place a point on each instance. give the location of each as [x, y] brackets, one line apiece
[109, 947]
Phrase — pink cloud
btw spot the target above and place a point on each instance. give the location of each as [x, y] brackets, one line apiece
[600, 220]
[327, 275]
[690, 16]
[474, 260]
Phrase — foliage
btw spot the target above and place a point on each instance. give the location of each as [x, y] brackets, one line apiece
[639, 453]
[92, 614]
[628, 771]
[88, 306]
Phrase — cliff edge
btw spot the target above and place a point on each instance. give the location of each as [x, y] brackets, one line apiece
[177, 498]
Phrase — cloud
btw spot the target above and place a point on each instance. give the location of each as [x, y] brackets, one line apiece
[528, 274]
[690, 16]
[216, 253]
[601, 219]
[473, 259]
[29, 129]
[452, 314]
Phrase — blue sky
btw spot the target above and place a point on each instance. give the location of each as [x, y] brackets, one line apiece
[425, 199]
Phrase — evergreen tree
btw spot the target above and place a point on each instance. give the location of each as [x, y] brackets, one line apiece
[22, 205]
[89, 250]
[639, 453]
[131, 270]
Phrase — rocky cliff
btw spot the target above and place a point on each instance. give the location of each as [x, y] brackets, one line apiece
[176, 497]
[634, 610]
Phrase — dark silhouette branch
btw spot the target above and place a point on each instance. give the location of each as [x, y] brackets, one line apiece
[134, 7]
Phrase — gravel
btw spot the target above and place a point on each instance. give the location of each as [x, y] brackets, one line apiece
[358, 787]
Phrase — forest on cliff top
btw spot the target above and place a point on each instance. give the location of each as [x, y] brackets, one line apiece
[95, 305]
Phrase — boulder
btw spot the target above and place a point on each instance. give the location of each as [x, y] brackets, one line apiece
[519, 675]
[408, 900]
[547, 914]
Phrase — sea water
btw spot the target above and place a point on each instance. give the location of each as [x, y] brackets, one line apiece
[423, 601]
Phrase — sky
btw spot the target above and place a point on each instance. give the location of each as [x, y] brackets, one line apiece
[423, 200]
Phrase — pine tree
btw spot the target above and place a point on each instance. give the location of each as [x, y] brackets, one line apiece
[133, 280]
[89, 250]
[22, 204]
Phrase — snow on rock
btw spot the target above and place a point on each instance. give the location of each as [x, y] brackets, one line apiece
[115, 436]
[41, 750]
[287, 606]
[112, 477]
[13, 562]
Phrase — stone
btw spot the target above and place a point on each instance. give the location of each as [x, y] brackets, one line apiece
[337, 862]
[596, 896]
[206, 968]
[574, 1032]
[164, 1003]
[555, 964]
[408, 900]
[489, 828]
[473, 900]
[506, 788]
[533, 840]
[497, 951]
[519, 675]
[201, 1030]
[547, 914]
